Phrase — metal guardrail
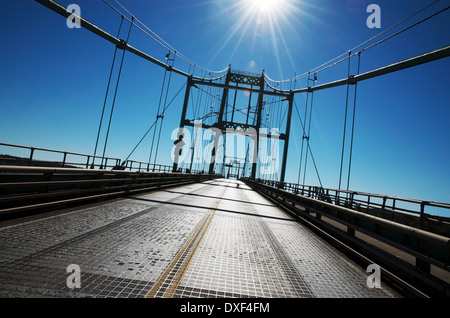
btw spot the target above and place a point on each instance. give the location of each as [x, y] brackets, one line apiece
[78, 160]
[139, 166]
[345, 225]
[67, 159]
[411, 212]
[37, 188]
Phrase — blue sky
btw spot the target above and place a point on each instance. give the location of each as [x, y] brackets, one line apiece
[53, 81]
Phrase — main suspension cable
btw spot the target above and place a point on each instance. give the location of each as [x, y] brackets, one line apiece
[158, 39]
[339, 58]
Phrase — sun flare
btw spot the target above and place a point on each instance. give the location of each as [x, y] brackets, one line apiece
[261, 25]
[265, 5]
[268, 9]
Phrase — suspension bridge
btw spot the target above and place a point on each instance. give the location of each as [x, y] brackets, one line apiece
[211, 224]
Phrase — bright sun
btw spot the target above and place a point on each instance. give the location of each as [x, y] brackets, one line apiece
[260, 23]
[265, 5]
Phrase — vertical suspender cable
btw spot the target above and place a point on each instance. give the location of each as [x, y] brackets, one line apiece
[345, 122]
[106, 97]
[196, 108]
[309, 132]
[353, 124]
[115, 93]
[157, 118]
[165, 103]
[249, 105]
[303, 135]
[199, 100]
[309, 146]
[192, 148]
[315, 166]
[151, 127]
[234, 102]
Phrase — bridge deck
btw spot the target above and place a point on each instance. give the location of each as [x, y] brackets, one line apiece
[213, 239]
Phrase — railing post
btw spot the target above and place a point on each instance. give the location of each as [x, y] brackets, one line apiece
[352, 195]
[87, 162]
[31, 154]
[93, 162]
[422, 213]
[64, 160]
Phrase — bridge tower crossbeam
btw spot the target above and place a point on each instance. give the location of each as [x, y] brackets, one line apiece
[239, 81]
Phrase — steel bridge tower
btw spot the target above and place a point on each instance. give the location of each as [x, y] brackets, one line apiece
[227, 121]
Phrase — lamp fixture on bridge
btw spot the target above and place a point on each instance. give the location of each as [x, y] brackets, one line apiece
[168, 57]
[314, 79]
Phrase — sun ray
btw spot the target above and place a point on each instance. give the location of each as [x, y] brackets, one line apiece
[285, 45]
[229, 37]
[260, 25]
[275, 44]
[241, 37]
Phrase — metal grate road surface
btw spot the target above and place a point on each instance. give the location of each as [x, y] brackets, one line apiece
[214, 239]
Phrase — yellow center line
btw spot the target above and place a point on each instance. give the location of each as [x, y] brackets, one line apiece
[198, 232]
